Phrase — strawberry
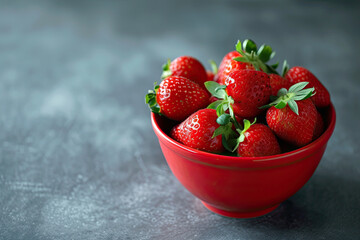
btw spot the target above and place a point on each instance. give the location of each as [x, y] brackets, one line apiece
[213, 99]
[246, 92]
[229, 56]
[229, 66]
[188, 67]
[247, 57]
[250, 90]
[197, 131]
[210, 75]
[319, 126]
[292, 121]
[258, 141]
[250, 140]
[223, 63]
[300, 74]
[277, 82]
[177, 98]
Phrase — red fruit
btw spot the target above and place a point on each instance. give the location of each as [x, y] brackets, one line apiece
[259, 141]
[197, 131]
[229, 56]
[277, 82]
[177, 98]
[295, 129]
[210, 75]
[319, 126]
[188, 67]
[250, 90]
[230, 66]
[300, 74]
[213, 99]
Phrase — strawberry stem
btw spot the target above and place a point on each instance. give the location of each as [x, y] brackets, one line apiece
[289, 97]
[258, 58]
[150, 99]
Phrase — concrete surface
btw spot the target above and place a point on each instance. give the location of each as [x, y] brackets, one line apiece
[78, 157]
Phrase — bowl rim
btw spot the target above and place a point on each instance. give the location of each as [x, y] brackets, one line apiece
[273, 160]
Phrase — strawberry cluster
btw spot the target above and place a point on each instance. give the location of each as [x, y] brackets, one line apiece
[244, 107]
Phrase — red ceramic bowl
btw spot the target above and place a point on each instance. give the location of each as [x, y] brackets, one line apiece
[242, 187]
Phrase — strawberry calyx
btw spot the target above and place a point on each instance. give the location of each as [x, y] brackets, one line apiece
[150, 99]
[232, 144]
[226, 122]
[225, 101]
[289, 97]
[230, 138]
[285, 68]
[257, 57]
[166, 70]
[247, 125]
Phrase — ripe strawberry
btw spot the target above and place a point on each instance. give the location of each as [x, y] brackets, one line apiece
[250, 90]
[300, 74]
[177, 98]
[250, 140]
[213, 99]
[229, 66]
[188, 67]
[210, 75]
[258, 141]
[292, 121]
[229, 56]
[246, 56]
[197, 131]
[277, 82]
[319, 126]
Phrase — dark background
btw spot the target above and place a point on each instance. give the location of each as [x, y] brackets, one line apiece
[78, 157]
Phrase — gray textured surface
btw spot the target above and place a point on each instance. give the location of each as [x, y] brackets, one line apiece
[78, 157]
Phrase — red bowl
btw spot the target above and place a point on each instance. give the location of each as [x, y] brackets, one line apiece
[242, 187]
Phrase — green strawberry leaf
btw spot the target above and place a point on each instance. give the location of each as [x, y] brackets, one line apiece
[225, 144]
[149, 96]
[214, 67]
[282, 92]
[304, 94]
[215, 89]
[249, 46]
[215, 104]
[272, 55]
[241, 59]
[221, 108]
[224, 119]
[247, 125]
[270, 69]
[150, 99]
[166, 70]
[293, 106]
[280, 105]
[298, 86]
[264, 53]
[238, 46]
[226, 131]
[220, 91]
[275, 65]
[238, 141]
[222, 130]
[285, 68]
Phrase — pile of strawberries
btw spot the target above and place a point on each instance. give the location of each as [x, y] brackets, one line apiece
[245, 107]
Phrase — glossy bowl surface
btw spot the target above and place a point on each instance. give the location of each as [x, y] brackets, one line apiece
[242, 187]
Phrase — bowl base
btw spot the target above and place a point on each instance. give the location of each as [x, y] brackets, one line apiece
[240, 214]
